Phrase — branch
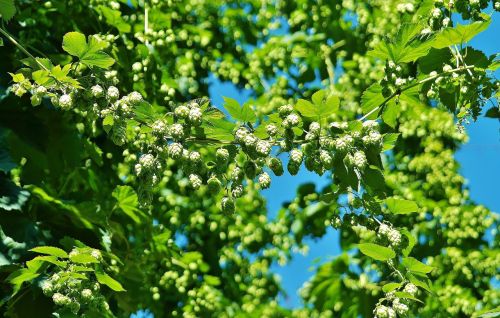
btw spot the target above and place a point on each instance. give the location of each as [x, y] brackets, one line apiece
[427, 79]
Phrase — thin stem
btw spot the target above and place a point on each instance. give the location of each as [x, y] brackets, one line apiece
[427, 79]
[19, 46]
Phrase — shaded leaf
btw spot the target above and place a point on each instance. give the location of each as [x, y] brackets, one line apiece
[107, 280]
[128, 202]
[7, 9]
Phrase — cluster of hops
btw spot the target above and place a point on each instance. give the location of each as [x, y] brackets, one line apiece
[464, 83]
[73, 286]
[389, 233]
[394, 306]
[439, 17]
[396, 76]
[248, 158]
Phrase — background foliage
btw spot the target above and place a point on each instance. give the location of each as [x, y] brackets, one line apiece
[94, 191]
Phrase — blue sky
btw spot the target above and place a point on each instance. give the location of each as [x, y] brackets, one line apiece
[479, 160]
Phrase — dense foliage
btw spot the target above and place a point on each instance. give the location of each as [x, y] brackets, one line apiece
[111, 151]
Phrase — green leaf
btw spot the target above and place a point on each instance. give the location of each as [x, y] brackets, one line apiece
[128, 202]
[407, 296]
[390, 287]
[493, 112]
[389, 141]
[459, 34]
[372, 97]
[411, 242]
[495, 62]
[114, 18]
[489, 313]
[50, 250]
[7, 9]
[75, 43]
[107, 280]
[405, 49]
[90, 54]
[241, 113]
[390, 114]
[419, 283]
[416, 266]
[321, 108]
[12, 197]
[219, 129]
[212, 280]
[19, 277]
[375, 251]
[43, 259]
[400, 206]
[83, 258]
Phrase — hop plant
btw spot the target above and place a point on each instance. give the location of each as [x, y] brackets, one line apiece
[181, 111]
[359, 160]
[272, 130]
[175, 150]
[65, 101]
[227, 205]
[296, 156]
[214, 185]
[263, 148]
[264, 180]
[276, 166]
[195, 181]
[195, 116]
[177, 131]
[222, 155]
[113, 93]
[410, 289]
[237, 190]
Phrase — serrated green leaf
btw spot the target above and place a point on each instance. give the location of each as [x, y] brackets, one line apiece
[406, 295]
[389, 141]
[90, 53]
[387, 288]
[50, 250]
[75, 44]
[107, 280]
[372, 97]
[114, 18]
[83, 258]
[19, 277]
[128, 202]
[405, 48]
[47, 259]
[320, 108]
[411, 242]
[375, 251]
[419, 283]
[459, 34]
[390, 114]
[241, 113]
[400, 206]
[107, 123]
[416, 266]
[7, 9]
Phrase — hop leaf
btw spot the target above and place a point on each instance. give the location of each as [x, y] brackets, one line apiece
[90, 53]
[7, 9]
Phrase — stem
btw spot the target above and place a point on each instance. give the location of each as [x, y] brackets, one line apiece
[19, 46]
[427, 79]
